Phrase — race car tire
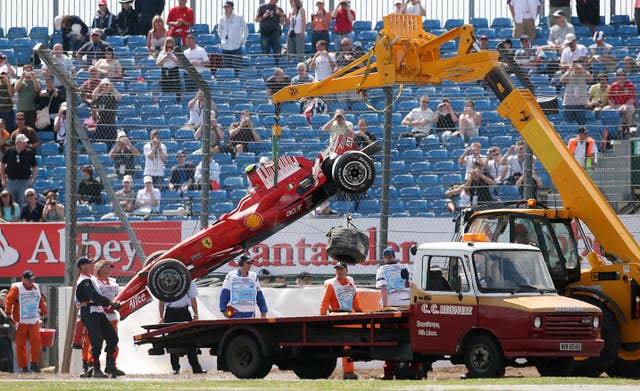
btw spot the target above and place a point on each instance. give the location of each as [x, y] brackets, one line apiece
[353, 172]
[152, 257]
[347, 244]
[169, 280]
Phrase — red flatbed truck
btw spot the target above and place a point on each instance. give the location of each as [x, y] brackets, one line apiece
[477, 303]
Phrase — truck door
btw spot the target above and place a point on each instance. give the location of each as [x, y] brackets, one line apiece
[443, 307]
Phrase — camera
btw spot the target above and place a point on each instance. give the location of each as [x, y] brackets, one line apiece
[52, 202]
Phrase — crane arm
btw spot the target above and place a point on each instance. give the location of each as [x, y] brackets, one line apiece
[405, 53]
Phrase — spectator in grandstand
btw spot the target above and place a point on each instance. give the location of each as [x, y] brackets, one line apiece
[126, 196]
[60, 126]
[123, 155]
[493, 166]
[89, 123]
[276, 82]
[514, 159]
[104, 19]
[599, 94]
[445, 119]
[170, 73]
[564, 6]
[93, 50]
[469, 121]
[478, 185]
[155, 153]
[303, 75]
[530, 58]
[484, 42]
[600, 53]
[233, 32]
[419, 119]
[343, 17]
[214, 173]
[320, 23]
[630, 65]
[397, 7]
[313, 106]
[622, 97]
[216, 134]
[536, 183]
[108, 66]
[361, 135]
[588, 13]
[347, 53]
[182, 173]
[22, 128]
[242, 133]
[457, 197]
[196, 105]
[297, 21]
[10, 211]
[413, 7]
[65, 62]
[576, 95]
[105, 99]
[127, 19]
[147, 11]
[5, 66]
[89, 85]
[27, 87]
[74, 31]
[89, 188]
[338, 126]
[180, 20]
[49, 97]
[19, 169]
[322, 62]
[148, 198]
[198, 57]
[31, 208]
[572, 52]
[7, 113]
[505, 47]
[156, 37]
[470, 156]
[558, 33]
[271, 17]
[524, 13]
[583, 148]
[53, 210]
[4, 137]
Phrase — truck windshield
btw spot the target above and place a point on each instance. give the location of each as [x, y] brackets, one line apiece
[513, 271]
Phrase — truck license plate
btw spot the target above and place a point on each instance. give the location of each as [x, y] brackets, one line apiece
[570, 347]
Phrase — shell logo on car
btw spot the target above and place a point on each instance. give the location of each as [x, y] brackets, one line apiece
[253, 221]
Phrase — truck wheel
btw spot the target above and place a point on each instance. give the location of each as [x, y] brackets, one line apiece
[406, 371]
[314, 369]
[353, 172]
[347, 244]
[169, 280]
[555, 366]
[483, 357]
[152, 257]
[629, 369]
[610, 333]
[244, 359]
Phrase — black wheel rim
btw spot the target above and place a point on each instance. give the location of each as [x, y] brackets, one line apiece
[169, 280]
[355, 173]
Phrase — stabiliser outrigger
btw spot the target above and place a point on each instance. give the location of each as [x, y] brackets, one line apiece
[405, 53]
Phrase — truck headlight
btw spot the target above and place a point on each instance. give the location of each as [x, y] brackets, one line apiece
[596, 321]
[537, 322]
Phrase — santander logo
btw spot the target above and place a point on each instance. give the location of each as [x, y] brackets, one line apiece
[8, 255]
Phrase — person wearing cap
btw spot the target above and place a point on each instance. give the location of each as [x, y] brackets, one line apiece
[51, 98]
[343, 17]
[182, 174]
[148, 198]
[320, 24]
[241, 292]
[484, 42]
[303, 279]
[530, 58]
[558, 8]
[89, 188]
[60, 124]
[414, 7]
[573, 52]
[19, 169]
[93, 50]
[558, 33]
[199, 58]
[340, 295]
[397, 7]
[155, 153]
[74, 31]
[123, 155]
[53, 210]
[576, 95]
[27, 307]
[147, 11]
[622, 98]
[271, 17]
[583, 148]
[104, 19]
[22, 128]
[109, 66]
[5, 66]
[180, 19]
[127, 19]
[126, 196]
[92, 305]
[178, 311]
[233, 32]
[524, 13]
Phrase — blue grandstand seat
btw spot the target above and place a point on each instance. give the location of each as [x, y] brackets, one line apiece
[444, 166]
[505, 33]
[404, 143]
[245, 158]
[396, 207]
[22, 48]
[429, 143]
[403, 180]
[183, 134]
[491, 117]
[627, 31]
[57, 173]
[296, 120]
[501, 23]
[100, 148]
[200, 28]
[410, 193]
[225, 74]
[361, 25]
[136, 41]
[1, 32]
[582, 31]
[5, 43]
[502, 141]
[431, 24]
[489, 32]
[366, 36]
[226, 120]
[115, 41]
[437, 154]
[427, 180]
[479, 23]
[48, 149]
[609, 117]
[397, 167]
[369, 206]
[222, 208]
[483, 140]
[234, 182]
[419, 167]
[137, 87]
[452, 23]
[433, 193]
[483, 104]
[412, 155]
[508, 193]
[449, 179]
[16, 32]
[39, 34]
[618, 20]
[417, 206]
[207, 40]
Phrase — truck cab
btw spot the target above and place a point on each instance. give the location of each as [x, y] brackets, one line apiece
[486, 304]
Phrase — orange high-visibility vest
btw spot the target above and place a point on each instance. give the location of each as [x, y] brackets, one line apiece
[590, 143]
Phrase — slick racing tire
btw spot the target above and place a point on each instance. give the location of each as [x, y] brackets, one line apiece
[152, 257]
[347, 244]
[169, 280]
[353, 172]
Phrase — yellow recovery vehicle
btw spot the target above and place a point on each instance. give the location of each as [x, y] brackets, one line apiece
[405, 53]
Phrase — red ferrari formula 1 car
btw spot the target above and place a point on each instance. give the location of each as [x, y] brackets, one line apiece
[268, 207]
